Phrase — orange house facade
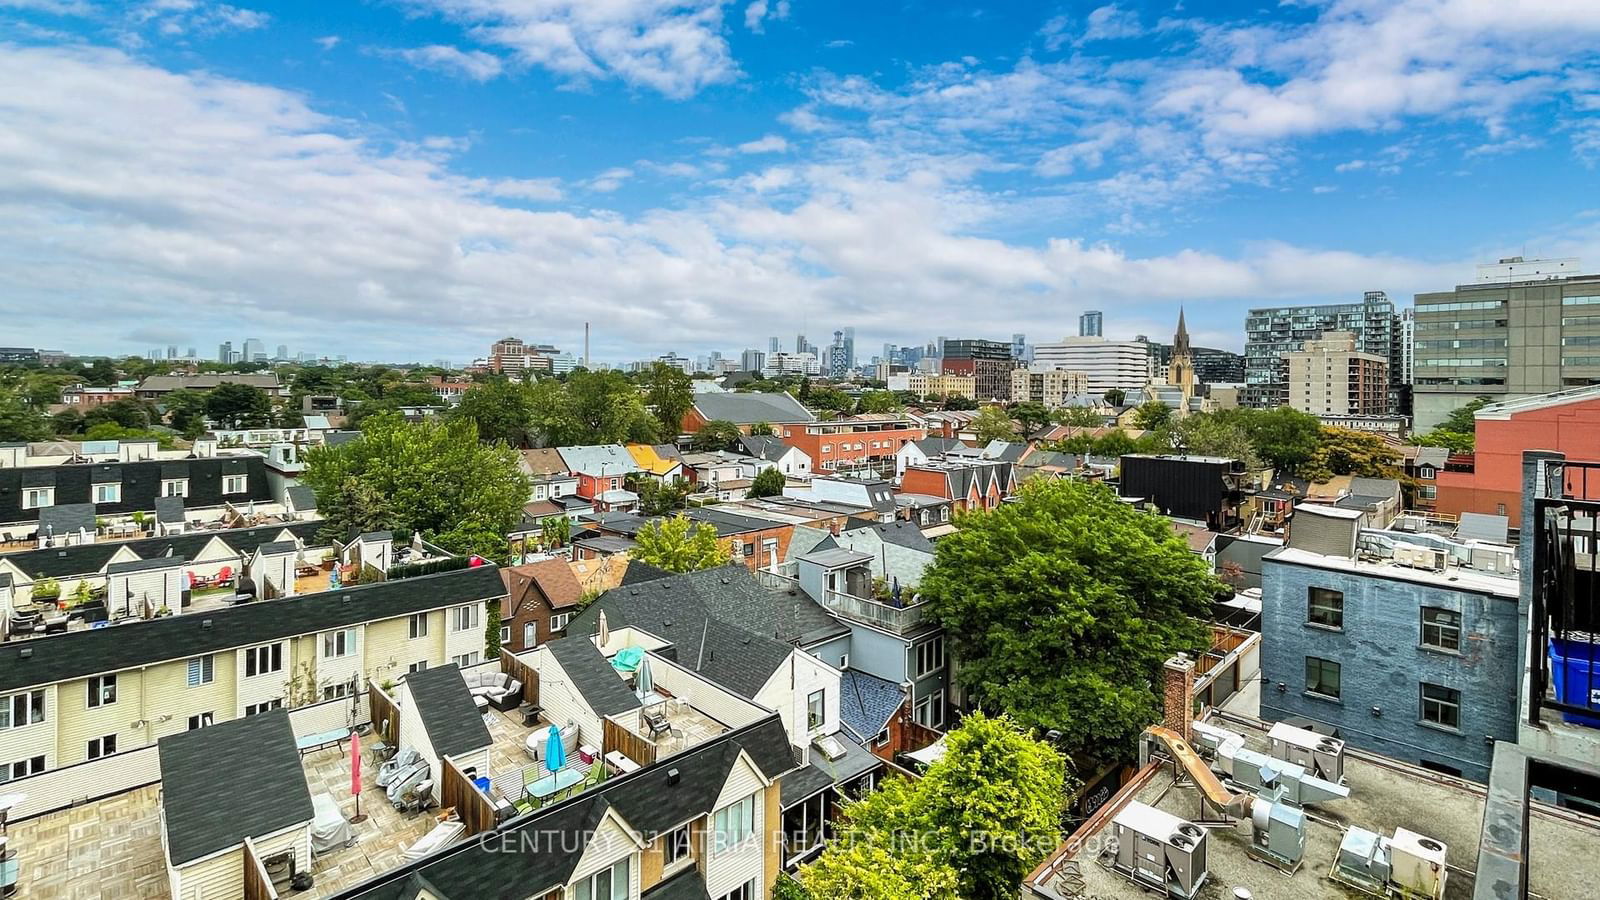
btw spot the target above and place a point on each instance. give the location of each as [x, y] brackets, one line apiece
[967, 486]
[1566, 421]
[851, 445]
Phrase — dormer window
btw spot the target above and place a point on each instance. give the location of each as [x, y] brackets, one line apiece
[607, 884]
[174, 487]
[235, 484]
[38, 498]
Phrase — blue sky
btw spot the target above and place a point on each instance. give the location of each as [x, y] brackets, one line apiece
[409, 180]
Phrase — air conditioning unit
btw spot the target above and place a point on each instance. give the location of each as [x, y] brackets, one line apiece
[1277, 831]
[1420, 557]
[1158, 850]
[1418, 864]
[1495, 558]
[1321, 755]
[1363, 861]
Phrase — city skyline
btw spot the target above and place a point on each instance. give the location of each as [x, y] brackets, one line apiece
[1004, 172]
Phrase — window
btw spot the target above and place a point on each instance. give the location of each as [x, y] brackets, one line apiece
[505, 634]
[930, 656]
[20, 710]
[102, 746]
[465, 659]
[262, 660]
[464, 618]
[1441, 705]
[747, 891]
[201, 671]
[264, 706]
[418, 625]
[558, 622]
[108, 493]
[1322, 677]
[827, 448]
[530, 635]
[235, 484]
[335, 691]
[675, 847]
[816, 709]
[606, 884]
[929, 711]
[38, 498]
[174, 487]
[881, 739]
[733, 823]
[102, 691]
[23, 768]
[1325, 607]
[1427, 492]
[203, 720]
[419, 666]
[338, 643]
[750, 548]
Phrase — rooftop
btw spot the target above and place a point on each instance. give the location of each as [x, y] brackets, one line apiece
[1384, 795]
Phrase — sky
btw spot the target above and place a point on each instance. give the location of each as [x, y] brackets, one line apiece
[411, 179]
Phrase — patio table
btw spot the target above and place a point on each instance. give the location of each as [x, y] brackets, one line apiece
[554, 783]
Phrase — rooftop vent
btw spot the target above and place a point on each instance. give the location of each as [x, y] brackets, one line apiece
[672, 776]
[205, 623]
[26, 653]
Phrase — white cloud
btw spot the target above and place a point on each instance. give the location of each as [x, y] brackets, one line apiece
[760, 11]
[328, 42]
[177, 18]
[839, 43]
[1112, 22]
[772, 143]
[1323, 189]
[474, 64]
[538, 189]
[674, 47]
[610, 179]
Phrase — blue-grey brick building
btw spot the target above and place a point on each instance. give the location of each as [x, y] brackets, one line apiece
[1404, 646]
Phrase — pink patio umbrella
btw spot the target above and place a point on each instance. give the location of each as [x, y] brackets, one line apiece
[355, 774]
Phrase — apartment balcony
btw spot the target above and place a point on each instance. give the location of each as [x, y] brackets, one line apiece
[879, 614]
[1564, 671]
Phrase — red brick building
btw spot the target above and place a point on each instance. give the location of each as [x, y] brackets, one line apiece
[867, 442]
[540, 598]
[1567, 421]
[979, 484]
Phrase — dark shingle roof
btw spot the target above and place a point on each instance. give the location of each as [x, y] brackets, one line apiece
[867, 703]
[764, 446]
[640, 572]
[275, 548]
[235, 780]
[901, 532]
[141, 484]
[144, 565]
[550, 841]
[169, 509]
[749, 409]
[444, 703]
[803, 783]
[84, 559]
[591, 673]
[686, 885]
[67, 518]
[302, 497]
[79, 654]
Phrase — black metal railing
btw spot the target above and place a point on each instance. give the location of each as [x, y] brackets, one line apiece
[1565, 605]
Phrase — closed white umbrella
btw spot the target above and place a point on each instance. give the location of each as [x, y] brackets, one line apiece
[643, 683]
[605, 630]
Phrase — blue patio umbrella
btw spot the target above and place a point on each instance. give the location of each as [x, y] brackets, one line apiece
[643, 683]
[555, 756]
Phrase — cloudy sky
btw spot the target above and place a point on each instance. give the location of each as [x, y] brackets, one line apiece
[409, 179]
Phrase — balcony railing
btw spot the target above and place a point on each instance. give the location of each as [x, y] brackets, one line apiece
[1566, 606]
[898, 619]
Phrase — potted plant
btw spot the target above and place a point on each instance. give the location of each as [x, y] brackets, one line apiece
[139, 519]
[46, 590]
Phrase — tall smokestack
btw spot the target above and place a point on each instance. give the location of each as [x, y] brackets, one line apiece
[586, 345]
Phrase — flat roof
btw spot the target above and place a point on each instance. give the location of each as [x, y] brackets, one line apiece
[1457, 578]
[1384, 795]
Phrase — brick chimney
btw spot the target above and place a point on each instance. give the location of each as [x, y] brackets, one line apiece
[1177, 694]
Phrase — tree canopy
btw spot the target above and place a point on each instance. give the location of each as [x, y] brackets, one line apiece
[679, 545]
[878, 402]
[1284, 438]
[768, 483]
[972, 827]
[502, 410]
[993, 423]
[717, 434]
[669, 393]
[1345, 452]
[1062, 607]
[434, 477]
[1032, 414]
[1458, 431]
[1152, 415]
[233, 405]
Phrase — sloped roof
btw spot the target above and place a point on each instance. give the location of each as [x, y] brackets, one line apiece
[592, 675]
[68, 518]
[650, 460]
[867, 703]
[543, 461]
[764, 446]
[444, 704]
[83, 559]
[552, 578]
[900, 532]
[749, 409]
[599, 459]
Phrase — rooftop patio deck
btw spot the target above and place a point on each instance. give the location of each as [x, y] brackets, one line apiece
[110, 848]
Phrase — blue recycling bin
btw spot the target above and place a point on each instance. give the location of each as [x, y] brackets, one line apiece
[1575, 668]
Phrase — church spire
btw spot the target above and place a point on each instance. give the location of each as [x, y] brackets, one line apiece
[1180, 341]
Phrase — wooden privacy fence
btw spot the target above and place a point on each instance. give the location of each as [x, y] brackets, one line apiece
[521, 671]
[472, 806]
[633, 746]
[257, 885]
[385, 715]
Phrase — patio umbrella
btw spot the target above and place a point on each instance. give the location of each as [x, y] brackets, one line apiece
[355, 774]
[555, 756]
[605, 630]
[642, 681]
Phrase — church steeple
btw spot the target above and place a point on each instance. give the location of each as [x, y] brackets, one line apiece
[1180, 341]
[1180, 371]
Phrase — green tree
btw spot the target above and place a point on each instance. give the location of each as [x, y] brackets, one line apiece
[717, 434]
[68, 421]
[679, 545]
[1462, 420]
[657, 497]
[20, 423]
[1454, 441]
[101, 373]
[1081, 416]
[959, 402]
[1346, 452]
[761, 429]
[768, 483]
[669, 393]
[604, 408]
[186, 411]
[1284, 438]
[491, 631]
[233, 405]
[1062, 607]
[878, 402]
[1031, 414]
[993, 423]
[111, 431]
[1215, 434]
[830, 399]
[126, 411]
[434, 477]
[501, 409]
[1116, 396]
[1152, 415]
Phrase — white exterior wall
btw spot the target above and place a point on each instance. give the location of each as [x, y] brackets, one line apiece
[610, 843]
[560, 699]
[717, 702]
[164, 587]
[412, 734]
[789, 687]
[38, 739]
[220, 876]
[470, 640]
[296, 838]
[730, 868]
[340, 669]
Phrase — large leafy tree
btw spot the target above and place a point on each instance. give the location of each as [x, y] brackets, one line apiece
[829, 399]
[1216, 434]
[1031, 414]
[669, 393]
[993, 423]
[1458, 431]
[971, 827]
[878, 402]
[1462, 420]
[1115, 396]
[434, 477]
[234, 405]
[1346, 452]
[501, 409]
[768, 483]
[594, 408]
[18, 422]
[186, 411]
[679, 545]
[1284, 438]
[657, 497]
[1152, 415]
[127, 412]
[1062, 606]
[717, 434]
